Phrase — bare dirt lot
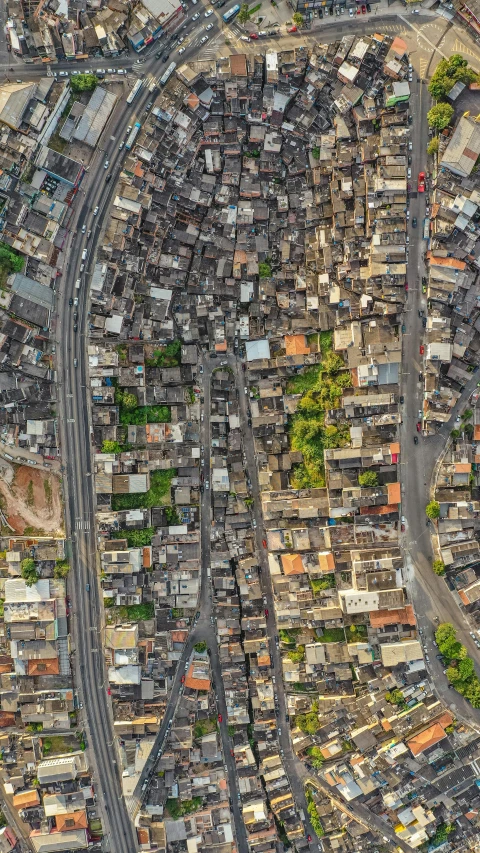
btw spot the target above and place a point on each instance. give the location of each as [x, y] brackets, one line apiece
[31, 500]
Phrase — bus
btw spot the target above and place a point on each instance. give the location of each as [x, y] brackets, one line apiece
[133, 135]
[168, 73]
[231, 14]
[426, 228]
[133, 94]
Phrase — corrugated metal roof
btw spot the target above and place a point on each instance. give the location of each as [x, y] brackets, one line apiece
[95, 116]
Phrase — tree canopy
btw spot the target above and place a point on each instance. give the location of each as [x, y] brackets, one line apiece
[432, 509]
[438, 567]
[29, 571]
[440, 116]
[368, 478]
[83, 83]
[447, 73]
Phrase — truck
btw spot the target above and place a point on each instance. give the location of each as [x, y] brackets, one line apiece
[421, 182]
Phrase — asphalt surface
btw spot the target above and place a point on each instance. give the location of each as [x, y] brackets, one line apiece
[432, 600]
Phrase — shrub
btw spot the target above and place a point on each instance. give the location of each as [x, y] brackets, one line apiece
[200, 647]
[62, 568]
[29, 571]
[433, 146]
[368, 479]
[432, 509]
[111, 446]
[438, 567]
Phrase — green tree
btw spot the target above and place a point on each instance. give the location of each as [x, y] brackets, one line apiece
[29, 571]
[316, 756]
[447, 73]
[62, 568]
[200, 646]
[264, 270]
[243, 15]
[83, 83]
[438, 567]
[308, 722]
[111, 446]
[9, 259]
[432, 509]
[297, 655]
[433, 145]
[129, 401]
[440, 116]
[368, 478]
[297, 19]
[395, 697]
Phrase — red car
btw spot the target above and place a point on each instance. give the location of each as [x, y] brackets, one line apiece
[422, 349]
[264, 543]
[406, 287]
[419, 426]
[220, 718]
[109, 692]
[421, 182]
[232, 753]
[364, 9]
[182, 679]
[309, 837]
[266, 612]
[292, 30]
[253, 36]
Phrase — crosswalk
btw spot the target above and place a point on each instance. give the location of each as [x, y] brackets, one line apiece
[82, 524]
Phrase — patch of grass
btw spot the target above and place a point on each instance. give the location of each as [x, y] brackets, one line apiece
[47, 487]
[135, 538]
[319, 584]
[160, 483]
[356, 633]
[30, 500]
[56, 745]
[137, 612]
[332, 635]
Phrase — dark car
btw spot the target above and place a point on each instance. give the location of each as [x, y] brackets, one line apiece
[75, 316]
[414, 222]
[424, 322]
[70, 301]
[158, 55]
[415, 439]
[165, 57]
[402, 400]
[320, 13]
[75, 328]
[108, 178]
[369, 8]
[222, 3]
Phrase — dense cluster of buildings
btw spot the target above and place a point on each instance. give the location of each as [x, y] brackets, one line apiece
[43, 30]
[263, 211]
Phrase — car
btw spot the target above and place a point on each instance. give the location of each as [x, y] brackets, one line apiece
[165, 56]
[408, 214]
[208, 13]
[95, 210]
[196, 16]
[202, 41]
[207, 485]
[409, 173]
[292, 30]
[182, 50]
[350, 12]
[266, 612]
[148, 106]
[414, 222]
[106, 164]
[309, 838]
[406, 286]
[264, 543]
[364, 9]
[427, 658]
[415, 439]
[63, 73]
[75, 328]
[220, 718]
[253, 36]
[108, 178]
[158, 55]
[209, 27]
[87, 586]
[369, 8]
[75, 301]
[402, 400]
[109, 692]
[422, 349]
[75, 316]
[70, 301]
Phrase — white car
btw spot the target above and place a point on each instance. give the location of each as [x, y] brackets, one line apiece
[202, 41]
[106, 164]
[84, 228]
[182, 50]
[208, 13]
[244, 38]
[409, 173]
[410, 146]
[75, 301]
[350, 12]
[110, 71]
[209, 27]
[120, 146]
[95, 211]
[207, 485]
[196, 16]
